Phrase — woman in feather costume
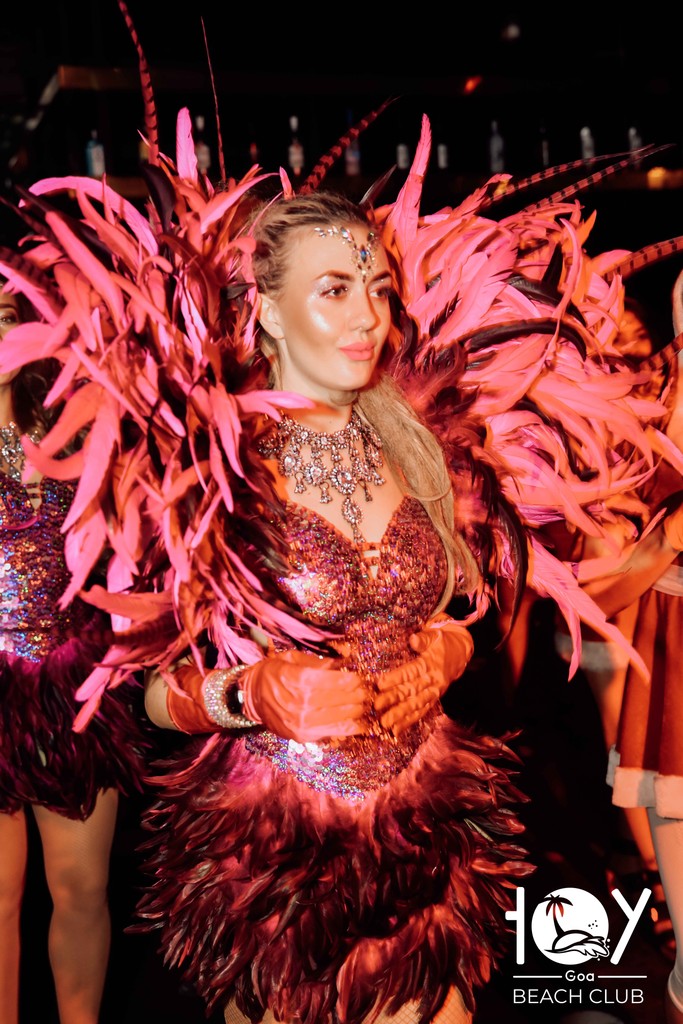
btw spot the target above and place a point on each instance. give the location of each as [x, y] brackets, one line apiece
[70, 783]
[336, 849]
[344, 846]
[340, 850]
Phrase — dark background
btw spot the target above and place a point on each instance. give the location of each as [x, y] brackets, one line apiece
[68, 67]
[549, 73]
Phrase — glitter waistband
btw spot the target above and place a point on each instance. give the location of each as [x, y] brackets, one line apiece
[350, 768]
[32, 644]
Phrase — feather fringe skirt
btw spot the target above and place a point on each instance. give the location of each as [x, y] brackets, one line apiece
[274, 895]
[42, 760]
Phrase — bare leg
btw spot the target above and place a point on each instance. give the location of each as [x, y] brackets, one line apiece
[607, 679]
[13, 853]
[633, 859]
[667, 834]
[76, 855]
[639, 827]
[607, 687]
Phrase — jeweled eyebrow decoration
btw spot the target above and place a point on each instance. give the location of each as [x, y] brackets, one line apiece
[362, 256]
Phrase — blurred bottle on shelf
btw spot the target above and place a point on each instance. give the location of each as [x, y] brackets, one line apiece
[440, 153]
[94, 156]
[543, 146]
[587, 143]
[496, 150]
[295, 154]
[143, 152]
[635, 143]
[402, 157]
[352, 152]
[253, 153]
[201, 146]
[352, 159]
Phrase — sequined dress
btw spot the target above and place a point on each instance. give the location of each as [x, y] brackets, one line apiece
[45, 653]
[329, 881]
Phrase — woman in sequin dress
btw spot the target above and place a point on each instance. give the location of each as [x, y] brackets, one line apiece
[70, 783]
[349, 854]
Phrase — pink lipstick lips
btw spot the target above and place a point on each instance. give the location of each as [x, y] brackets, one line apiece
[359, 351]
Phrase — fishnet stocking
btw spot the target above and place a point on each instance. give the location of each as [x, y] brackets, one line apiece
[452, 1012]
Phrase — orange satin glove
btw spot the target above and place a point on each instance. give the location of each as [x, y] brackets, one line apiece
[406, 693]
[302, 697]
[186, 709]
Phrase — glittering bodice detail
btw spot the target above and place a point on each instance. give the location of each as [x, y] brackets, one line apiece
[332, 584]
[33, 572]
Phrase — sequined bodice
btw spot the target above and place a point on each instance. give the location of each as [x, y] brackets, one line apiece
[333, 585]
[33, 572]
[331, 582]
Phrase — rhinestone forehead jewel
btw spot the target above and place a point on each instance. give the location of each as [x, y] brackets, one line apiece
[362, 256]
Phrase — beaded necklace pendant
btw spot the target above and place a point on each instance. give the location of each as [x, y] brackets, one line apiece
[342, 461]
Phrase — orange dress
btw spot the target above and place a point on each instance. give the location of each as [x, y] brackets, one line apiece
[646, 764]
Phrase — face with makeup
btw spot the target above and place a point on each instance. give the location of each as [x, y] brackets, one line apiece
[332, 316]
[9, 318]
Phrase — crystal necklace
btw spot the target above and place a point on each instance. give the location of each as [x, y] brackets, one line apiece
[11, 449]
[355, 458]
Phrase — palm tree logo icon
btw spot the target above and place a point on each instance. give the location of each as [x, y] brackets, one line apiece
[570, 926]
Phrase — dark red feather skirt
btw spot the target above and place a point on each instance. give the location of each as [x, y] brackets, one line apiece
[272, 894]
[42, 761]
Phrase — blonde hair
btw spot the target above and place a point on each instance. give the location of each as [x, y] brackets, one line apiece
[409, 446]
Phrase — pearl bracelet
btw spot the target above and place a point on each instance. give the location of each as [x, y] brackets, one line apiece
[220, 685]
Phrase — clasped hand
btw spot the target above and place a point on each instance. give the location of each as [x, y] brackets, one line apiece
[408, 692]
[306, 698]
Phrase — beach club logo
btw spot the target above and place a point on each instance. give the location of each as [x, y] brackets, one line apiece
[570, 926]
